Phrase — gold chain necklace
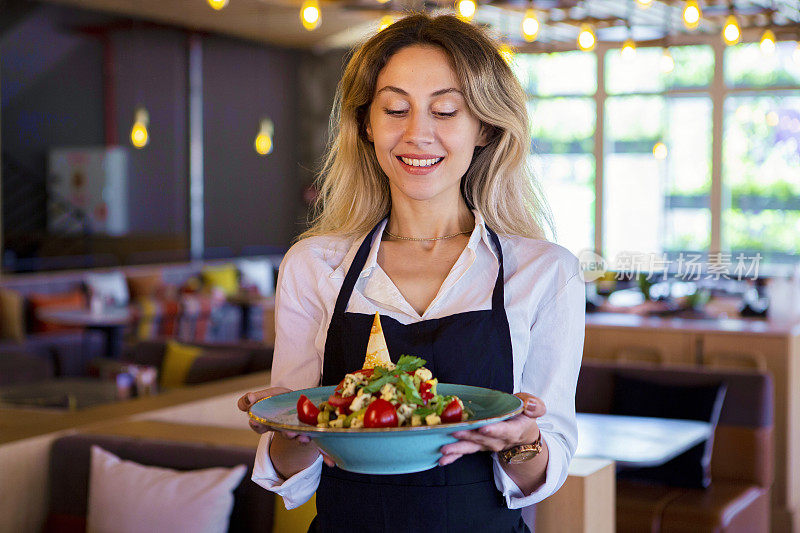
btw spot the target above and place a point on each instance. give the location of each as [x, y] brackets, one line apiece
[392, 235]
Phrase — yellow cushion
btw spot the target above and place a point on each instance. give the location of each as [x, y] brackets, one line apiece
[178, 358]
[225, 277]
[297, 520]
[12, 315]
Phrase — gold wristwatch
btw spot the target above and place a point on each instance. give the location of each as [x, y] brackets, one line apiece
[522, 452]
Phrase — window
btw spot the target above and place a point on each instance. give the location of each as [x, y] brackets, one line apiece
[658, 149]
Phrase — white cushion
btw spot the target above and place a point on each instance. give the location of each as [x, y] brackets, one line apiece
[110, 286]
[258, 273]
[128, 497]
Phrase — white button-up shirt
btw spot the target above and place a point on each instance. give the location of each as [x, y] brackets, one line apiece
[544, 302]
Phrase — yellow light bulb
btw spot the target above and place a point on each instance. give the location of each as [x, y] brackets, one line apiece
[466, 9]
[660, 150]
[530, 26]
[310, 14]
[731, 33]
[263, 142]
[139, 134]
[768, 42]
[691, 14]
[667, 62]
[386, 21]
[506, 52]
[772, 119]
[644, 3]
[218, 4]
[586, 38]
[628, 51]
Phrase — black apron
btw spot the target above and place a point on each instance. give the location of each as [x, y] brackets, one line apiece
[472, 348]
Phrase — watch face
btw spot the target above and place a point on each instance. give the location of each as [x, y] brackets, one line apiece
[521, 457]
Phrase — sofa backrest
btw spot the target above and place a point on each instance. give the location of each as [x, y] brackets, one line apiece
[70, 462]
[743, 449]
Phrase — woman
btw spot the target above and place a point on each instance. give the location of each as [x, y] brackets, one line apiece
[428, 216]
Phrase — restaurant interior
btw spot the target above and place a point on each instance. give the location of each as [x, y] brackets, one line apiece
[159, 158]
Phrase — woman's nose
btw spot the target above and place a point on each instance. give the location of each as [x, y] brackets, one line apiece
[419, 129]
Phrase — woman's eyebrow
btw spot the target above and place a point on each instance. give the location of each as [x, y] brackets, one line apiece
[398, 90]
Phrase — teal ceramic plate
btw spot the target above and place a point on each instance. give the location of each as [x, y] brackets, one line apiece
[387, 450]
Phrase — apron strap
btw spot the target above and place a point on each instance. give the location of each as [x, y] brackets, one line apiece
[360, 259]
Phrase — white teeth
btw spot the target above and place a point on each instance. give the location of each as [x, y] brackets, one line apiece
[420, 162]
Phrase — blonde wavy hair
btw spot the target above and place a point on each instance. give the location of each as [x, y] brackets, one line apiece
[353, 189]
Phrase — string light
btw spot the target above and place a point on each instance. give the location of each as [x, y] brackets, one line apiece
[139, 135]
[530, 25]
[660, 150]
[628, 51]
[772, 119]
[796, 53]
[506, 52]
[768, 42]
[385, 22]
[218, 4]
[263, 142]
[731, 32]
[667, 62]
[644, 3]
[691, 14]
[466, 9]
[586, 38]
[310, 14]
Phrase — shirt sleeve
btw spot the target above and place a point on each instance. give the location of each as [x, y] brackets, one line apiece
[296, 364]
[551, 373]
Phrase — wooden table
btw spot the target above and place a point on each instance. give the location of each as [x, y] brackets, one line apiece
[637, 441]
[109, 322]
[60, 393]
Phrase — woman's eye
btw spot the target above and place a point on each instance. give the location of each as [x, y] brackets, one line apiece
[394, 112]
[442, 114]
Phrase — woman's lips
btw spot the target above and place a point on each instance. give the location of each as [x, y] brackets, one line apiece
[411, 169]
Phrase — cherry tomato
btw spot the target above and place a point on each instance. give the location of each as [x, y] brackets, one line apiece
[306, 410]
[336, 400]
[451, 413]
[380, 414]
[425, 391]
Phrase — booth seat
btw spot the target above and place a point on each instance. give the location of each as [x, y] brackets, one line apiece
[738, 498]
[253, 508]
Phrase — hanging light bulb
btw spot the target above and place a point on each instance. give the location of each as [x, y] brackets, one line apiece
[310, 14]
[218, 4]
[530, 25]
[586, 38]
[263, 142]
[382, 1]
[768, 42]
[466, 9]
[628, 51]
[644, 3]
[667, 62]
[796, 53]
[731, 33]
[506, 52]
[385, 22]
[139, 134]
[660, 150]
[691, 14]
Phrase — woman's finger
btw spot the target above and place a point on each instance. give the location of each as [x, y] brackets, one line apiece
[449, 458]
[534, 407]
[258, 427]
[462, 447]
[247, 400]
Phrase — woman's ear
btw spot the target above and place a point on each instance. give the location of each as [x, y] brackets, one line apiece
[368, 129]
[484, 134]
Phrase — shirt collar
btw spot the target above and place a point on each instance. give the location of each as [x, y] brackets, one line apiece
[480, 235]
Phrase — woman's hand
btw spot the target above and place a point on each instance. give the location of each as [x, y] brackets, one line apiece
[521, 429]
[249, 399]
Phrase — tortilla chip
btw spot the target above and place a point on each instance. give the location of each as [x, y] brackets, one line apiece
[377, 351]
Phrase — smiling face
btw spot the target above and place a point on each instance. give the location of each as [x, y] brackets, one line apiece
[422, 130]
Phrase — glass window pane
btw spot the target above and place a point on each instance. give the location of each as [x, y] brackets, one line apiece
[657, 175]
[761, 158]
[563, 73]
[563, 161]
[648, 71]
[747, 66]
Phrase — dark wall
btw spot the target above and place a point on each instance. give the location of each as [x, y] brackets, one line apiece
[249, 199]
[52, 95]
